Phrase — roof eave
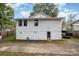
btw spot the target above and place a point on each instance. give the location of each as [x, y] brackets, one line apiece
[54, 18]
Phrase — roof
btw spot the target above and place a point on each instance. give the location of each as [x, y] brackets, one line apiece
[54, 18]
[40, 16]
[76, 21]
[47, 16]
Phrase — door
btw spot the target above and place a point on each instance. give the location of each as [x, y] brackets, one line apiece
[48, 35]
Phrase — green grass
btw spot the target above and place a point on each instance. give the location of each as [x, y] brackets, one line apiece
[10, 39]
[5, 53]
[71, 39]
[13, 39]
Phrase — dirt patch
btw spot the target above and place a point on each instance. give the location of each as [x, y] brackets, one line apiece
[68, 48]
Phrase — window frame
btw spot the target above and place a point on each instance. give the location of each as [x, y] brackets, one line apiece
[25, 23]
[36, 22]
[20, 22]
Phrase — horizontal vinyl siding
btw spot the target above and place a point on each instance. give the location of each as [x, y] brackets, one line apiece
[76, 27]
[56, 35]
[39, 32]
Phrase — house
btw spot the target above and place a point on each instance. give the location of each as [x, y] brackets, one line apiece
[39, 27]
[76, 28]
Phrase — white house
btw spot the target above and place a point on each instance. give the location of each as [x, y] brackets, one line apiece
[76, 25]
[39, 27]
[76, 28]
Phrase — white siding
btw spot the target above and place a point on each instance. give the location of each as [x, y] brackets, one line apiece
[76, 27]
[56, 35]
[39, 32]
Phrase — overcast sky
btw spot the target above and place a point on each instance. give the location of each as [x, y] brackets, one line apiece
[22, 10]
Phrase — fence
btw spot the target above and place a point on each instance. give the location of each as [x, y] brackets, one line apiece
[5, 34]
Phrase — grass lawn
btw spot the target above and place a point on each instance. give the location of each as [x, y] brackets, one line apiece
[71, 39]
[13, 39]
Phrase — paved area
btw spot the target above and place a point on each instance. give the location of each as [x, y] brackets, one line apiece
[32, 47]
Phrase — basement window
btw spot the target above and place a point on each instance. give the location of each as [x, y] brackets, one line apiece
[25, 22]
[20, 22]
[36, 22]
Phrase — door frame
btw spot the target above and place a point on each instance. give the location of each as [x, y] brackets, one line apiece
[48, 35]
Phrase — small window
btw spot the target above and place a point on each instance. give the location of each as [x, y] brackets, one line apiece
[25, 22]
[20, 22]
[36, 22]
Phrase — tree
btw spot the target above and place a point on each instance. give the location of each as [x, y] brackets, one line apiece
[6, 14]
[63, 24]
[70, 21]
[47, 8]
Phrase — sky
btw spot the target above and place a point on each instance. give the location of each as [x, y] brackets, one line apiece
[23, 10]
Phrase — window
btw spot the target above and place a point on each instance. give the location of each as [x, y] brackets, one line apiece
[36, 22]
[25, 22]
[20, 22]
